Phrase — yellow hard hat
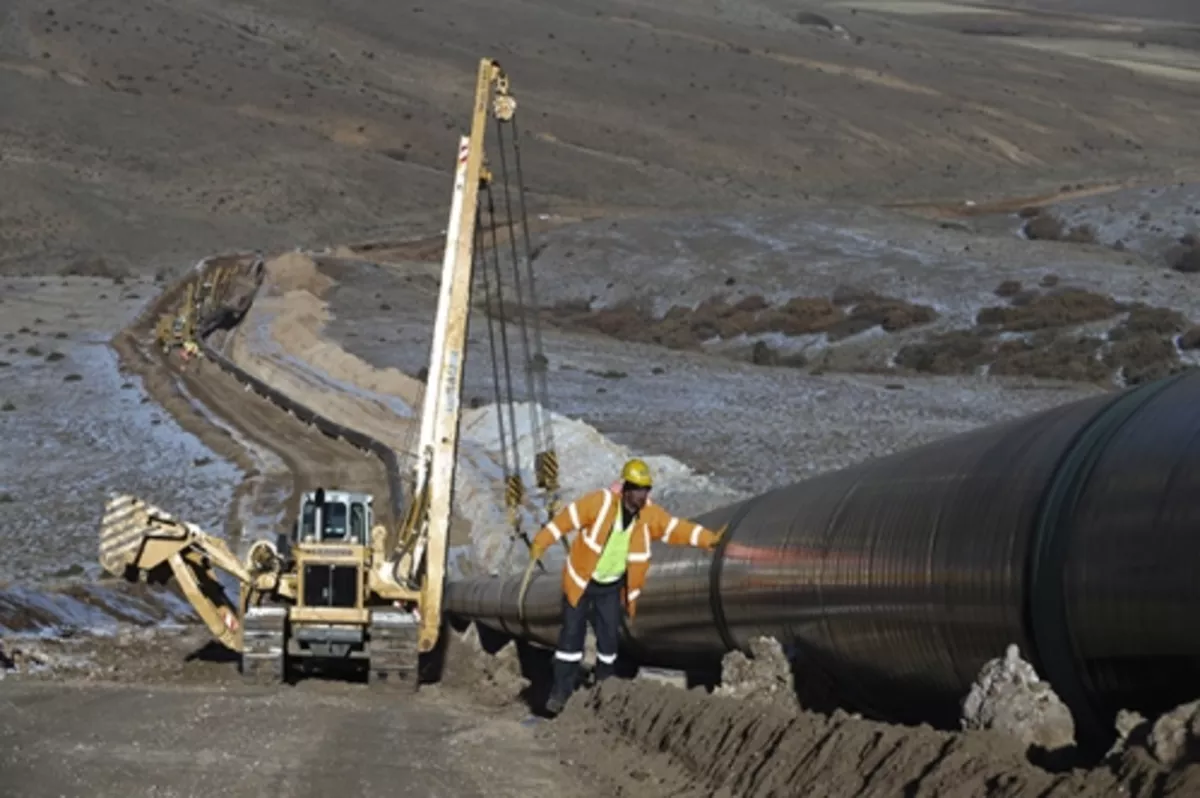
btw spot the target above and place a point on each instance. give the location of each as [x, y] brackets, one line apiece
[637, 473]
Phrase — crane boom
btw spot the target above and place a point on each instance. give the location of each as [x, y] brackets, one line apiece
[438, 446]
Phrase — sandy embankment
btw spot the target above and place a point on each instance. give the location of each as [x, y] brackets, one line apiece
[281, 341]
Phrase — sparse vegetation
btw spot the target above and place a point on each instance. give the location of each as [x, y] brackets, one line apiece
[1138, 349]
[1008, 288]
[96, 267]
[1041, 225]
[1064, 308]
[847, 313]
[1186, 259]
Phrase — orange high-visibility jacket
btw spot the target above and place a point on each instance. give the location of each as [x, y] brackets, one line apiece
[593, 516]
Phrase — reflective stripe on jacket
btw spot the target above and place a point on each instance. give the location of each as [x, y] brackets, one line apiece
[593, 516]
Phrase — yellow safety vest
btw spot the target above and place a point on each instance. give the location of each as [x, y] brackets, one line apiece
[611, 565]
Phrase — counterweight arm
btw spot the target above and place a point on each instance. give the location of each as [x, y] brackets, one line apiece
[140, 541]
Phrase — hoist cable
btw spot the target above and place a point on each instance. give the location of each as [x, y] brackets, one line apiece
[547, 458]
[534, 404]
[504, 332]
[537, 328]
[487, 299]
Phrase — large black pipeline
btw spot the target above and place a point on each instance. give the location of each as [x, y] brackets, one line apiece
[1074, 533]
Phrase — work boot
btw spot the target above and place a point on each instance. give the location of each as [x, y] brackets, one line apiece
[554, 705]
[566, 678]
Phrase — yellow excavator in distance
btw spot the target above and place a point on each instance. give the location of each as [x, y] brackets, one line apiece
[340, 588]
[313, 598]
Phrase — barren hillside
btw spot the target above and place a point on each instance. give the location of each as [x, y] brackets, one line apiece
[150, 134]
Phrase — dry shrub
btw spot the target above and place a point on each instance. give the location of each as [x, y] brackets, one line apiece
[1065, 308]
[955, 352]
[1143, 358]
[1043, 227]
[1081, 234]
[892, 315]
[1072, 359]
[849, 312]
[1008, 288]
[94, 266]
[806, 315]
[1140, 349]
[763, 354]
[1186, 260]
[1144, 319]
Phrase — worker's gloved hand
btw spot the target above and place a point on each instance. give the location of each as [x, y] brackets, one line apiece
[720, 533]
[536, 551]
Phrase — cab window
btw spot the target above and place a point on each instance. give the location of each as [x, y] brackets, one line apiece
[358, 522]
[334, 521]
[306, 520]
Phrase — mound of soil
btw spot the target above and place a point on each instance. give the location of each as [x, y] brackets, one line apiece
[492, 679]
[728, 748]
[847, 313]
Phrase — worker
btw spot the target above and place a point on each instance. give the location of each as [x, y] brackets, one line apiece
[606, 567]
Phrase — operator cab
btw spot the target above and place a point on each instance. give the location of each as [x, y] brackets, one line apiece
[335, 516]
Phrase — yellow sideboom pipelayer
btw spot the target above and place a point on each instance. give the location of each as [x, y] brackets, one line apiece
[339, 589]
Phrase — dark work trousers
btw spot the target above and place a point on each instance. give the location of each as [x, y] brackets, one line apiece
[602, 605]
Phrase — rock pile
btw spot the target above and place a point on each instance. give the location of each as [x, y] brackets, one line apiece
[766, 675]
[1009, 696]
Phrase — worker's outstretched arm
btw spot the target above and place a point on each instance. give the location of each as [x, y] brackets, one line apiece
[676, 531]
[575, 516]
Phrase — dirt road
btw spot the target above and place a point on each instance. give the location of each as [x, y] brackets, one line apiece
[113, 740]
